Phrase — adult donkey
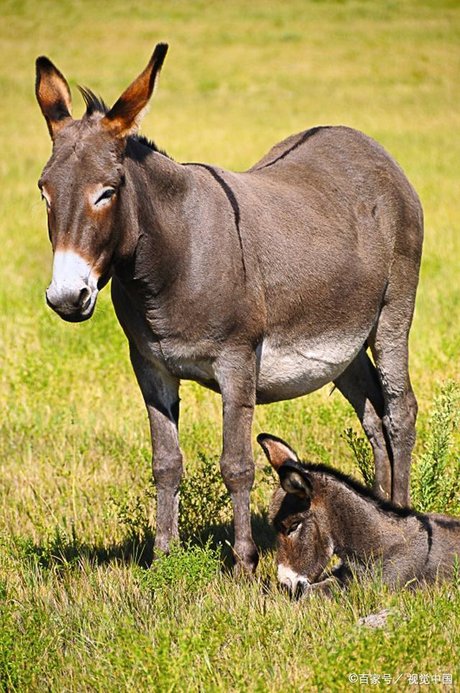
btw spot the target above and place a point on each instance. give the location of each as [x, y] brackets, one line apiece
[262, 285]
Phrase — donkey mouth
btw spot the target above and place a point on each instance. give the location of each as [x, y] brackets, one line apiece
[75, 317]
[70, 313]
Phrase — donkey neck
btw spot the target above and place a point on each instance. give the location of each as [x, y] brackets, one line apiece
[360, 525]
[150, 222]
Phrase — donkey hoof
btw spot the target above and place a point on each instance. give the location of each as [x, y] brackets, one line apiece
[245, 561]
[162, 547]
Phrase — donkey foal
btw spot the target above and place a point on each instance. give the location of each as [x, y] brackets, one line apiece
[318, 512]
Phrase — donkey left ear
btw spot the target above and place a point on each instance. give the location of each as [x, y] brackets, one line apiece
[124, 117]
[277, 451]
[296, 480]
[53, 95]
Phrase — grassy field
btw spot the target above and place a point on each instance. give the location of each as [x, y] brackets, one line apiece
[78, 608]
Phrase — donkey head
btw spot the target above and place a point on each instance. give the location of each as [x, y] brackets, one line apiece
[83, 181]
[304, 546]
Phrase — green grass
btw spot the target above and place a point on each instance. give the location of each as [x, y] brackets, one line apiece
[79, 610]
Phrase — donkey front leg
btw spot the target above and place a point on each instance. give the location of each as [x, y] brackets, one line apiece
[236, 378]
[161, 395]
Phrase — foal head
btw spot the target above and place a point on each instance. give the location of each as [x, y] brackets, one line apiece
[304, 544]
[83, 181]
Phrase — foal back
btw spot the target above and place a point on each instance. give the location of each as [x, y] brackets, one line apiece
[444, 554]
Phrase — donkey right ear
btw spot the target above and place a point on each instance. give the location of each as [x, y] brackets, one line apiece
[294, 479]
[53, 95]
[125, 115]
[276, 450]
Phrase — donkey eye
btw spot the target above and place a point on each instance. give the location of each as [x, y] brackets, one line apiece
[292, 528]
[45, 197]
[105, 196]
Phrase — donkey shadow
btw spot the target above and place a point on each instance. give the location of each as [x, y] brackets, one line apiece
[138, 549]
[221, 537]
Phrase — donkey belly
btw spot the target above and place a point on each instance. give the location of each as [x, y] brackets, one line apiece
[288, 371]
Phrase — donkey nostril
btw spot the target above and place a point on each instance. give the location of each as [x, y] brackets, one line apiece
[299, 589]
[83, 297]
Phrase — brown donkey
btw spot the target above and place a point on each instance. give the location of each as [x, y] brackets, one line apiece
[263, 285]
[318, 512]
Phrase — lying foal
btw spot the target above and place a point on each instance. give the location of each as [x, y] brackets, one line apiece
[318, 512]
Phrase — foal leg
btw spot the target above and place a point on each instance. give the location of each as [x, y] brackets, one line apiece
[236, 377]
[360, 385]
[161, 396]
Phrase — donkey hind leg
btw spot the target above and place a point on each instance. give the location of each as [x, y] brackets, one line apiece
[236, 378]
[360, 385]
[389, 344]
[390, 350]
[161, 396]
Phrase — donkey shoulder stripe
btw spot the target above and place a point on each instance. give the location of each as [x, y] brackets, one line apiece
[234, 204]
[426, 525]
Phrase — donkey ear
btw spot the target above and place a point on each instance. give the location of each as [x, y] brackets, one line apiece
[277, 451]
[124, 117]
[296, 480]
[53, 95]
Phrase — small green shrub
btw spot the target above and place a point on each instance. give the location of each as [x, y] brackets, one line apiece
[362, 454]
[436, 474]
[190, 566]
[131, 511]
[204, 500]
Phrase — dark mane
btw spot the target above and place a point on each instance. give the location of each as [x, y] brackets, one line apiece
[359, 488]
[94, 103]
[148, 143]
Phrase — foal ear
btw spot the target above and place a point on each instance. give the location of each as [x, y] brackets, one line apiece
[277, 451]
[53, 95]
[294, 479]
[124, 117]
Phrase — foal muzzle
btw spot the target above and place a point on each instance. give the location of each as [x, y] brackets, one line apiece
[293, 582]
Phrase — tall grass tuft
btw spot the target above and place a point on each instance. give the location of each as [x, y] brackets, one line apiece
[436, 474]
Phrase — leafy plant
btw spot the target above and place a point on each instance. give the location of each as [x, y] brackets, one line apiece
[190, 566]
[436, 475]
[204, 500]
[132, 511]
[362, 453]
